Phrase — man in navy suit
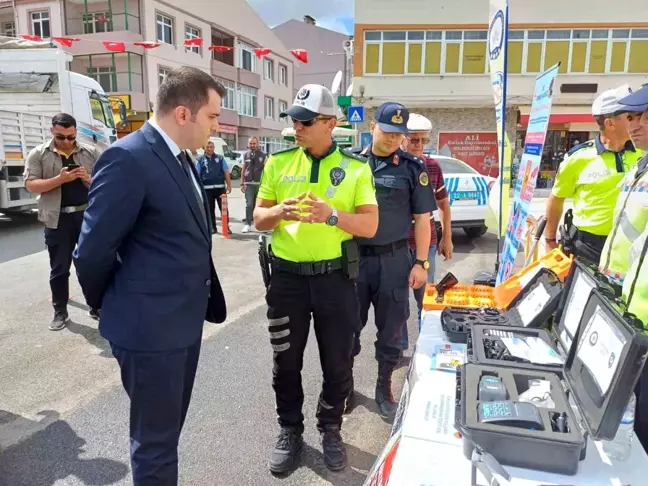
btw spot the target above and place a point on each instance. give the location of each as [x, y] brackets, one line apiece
[144, 259]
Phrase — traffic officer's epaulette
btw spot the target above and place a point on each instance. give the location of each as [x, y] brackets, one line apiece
[580, 146]
[284, 150]
[353, 153]
[412, 158]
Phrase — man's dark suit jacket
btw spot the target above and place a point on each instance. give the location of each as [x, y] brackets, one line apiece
[144, 254]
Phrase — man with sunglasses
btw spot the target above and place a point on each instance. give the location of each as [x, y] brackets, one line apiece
[387, 266]
[59, 170]
[590, 174]
[314, 198]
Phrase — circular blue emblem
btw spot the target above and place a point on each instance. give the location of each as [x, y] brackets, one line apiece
[496, 36]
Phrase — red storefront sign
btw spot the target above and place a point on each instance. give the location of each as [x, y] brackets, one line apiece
[227, 129]
[477, 149]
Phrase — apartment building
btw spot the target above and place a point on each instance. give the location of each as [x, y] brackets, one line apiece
[431, 55]
[258, 87]
[326, 52]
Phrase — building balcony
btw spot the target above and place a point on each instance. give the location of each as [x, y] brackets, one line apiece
[112, 20]
[120, 74]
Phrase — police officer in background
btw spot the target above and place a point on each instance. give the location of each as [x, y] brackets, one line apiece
[253, 162]
[60, 171]
[591, 173]
[314, 198]
[215, 175]
[387, 267]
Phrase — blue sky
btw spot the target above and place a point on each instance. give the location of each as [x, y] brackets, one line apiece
[331, 14]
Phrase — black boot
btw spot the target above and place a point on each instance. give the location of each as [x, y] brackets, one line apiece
[350, 402]
[335, 456]
[386, 404]
[288, 445]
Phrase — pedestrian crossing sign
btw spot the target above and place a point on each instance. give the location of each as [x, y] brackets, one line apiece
[356, 114]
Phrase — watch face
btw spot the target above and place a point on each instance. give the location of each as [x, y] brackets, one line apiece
[426, 265]
[332, 221]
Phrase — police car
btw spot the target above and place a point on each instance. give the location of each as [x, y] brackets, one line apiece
[468, 191]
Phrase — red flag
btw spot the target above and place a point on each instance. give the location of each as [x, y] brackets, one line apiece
[195, 42]
[301, 55]
[115, 46]
[65, 41]
[220, 48]
[31, 37]
[147, 44]
[262, 51]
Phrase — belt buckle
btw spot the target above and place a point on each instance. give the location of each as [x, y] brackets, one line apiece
[328, 267]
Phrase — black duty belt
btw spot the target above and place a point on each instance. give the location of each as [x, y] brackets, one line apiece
[375, 250]
[307, 269]
[74, 209]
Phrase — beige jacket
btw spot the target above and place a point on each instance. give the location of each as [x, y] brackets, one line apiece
[44, 163]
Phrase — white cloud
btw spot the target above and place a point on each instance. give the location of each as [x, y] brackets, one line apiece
[327, 13]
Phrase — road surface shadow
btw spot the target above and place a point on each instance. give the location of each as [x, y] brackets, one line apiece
[52, 454]
[90, 334]
[314, 460]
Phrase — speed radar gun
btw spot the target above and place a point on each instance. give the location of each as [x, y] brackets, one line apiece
[265, 259]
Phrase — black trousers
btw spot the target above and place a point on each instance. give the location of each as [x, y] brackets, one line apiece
[213, 199]
[384, 283]
[641, 413]
[589, 246]
[60, 244]
[159, 385]
[332, 301]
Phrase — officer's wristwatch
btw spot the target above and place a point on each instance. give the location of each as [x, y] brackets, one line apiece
[424, 263]
[333, 218]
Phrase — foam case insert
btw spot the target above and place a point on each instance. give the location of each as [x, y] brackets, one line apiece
[457, 322]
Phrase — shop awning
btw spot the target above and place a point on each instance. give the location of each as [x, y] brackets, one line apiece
[561, 114]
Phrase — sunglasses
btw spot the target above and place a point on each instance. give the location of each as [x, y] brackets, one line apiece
[60, 138]
[419, 140]
[310, 123]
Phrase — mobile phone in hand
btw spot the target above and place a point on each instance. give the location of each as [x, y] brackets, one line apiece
[73, 166]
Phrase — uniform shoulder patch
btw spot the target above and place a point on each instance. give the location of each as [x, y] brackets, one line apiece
[354, 153]
[285, 151]
[424, 178]
[581, 146]
[413, 158]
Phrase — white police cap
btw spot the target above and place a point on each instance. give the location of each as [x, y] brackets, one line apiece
[609, 102]
[311, 100]
[418, 123]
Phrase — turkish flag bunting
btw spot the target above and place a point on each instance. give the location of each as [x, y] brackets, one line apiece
[65, 41]
[195, 42]
[220, 48]
[262, 51]
[147, 44]
[300, 54]
[115, 46]
[32, 37]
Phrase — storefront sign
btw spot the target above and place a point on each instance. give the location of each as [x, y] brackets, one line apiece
[529, 168]
[477, 149]
[231, 129]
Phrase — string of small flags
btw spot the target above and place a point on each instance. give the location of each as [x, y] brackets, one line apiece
[120, 46]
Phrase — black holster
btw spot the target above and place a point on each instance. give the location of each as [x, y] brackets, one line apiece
[351, 259]
[568, 232]
[265, 259]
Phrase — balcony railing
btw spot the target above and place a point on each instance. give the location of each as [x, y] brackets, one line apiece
[116, 73]
[97, 23]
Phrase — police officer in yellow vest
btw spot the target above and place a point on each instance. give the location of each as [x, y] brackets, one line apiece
[624, 258]
[314, 198]
[590, 174]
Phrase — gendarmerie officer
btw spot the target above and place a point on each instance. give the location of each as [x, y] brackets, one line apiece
[387, 267]
[314, 198]
[60, 171]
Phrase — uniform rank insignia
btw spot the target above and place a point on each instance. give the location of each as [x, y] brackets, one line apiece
[337, 175]
[424, 179]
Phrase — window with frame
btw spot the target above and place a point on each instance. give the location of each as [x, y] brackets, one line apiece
[270, 145]
[105, 76]
[283, 106]
[163, 72]
[192, 32]
[269, 111]
[164, 29]
[229, 101]
[247, 96]
[97, 22]
[9, 29]
[283, 75]
[455, 52]
[246, 57]
[268, 69]
[40, 23]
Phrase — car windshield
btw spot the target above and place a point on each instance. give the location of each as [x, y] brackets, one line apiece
[453, 166]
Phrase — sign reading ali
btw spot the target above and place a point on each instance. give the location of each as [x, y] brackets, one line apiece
[477, 149]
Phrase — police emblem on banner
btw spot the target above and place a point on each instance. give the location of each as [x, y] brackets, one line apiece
[496, 36]
[337, 175]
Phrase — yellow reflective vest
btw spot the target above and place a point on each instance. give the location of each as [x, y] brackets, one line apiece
[635, 285]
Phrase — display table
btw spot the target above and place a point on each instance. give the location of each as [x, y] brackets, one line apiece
[426, 450]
